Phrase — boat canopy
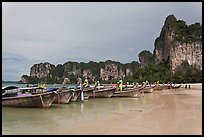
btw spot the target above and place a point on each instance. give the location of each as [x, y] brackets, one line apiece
[51, 89]
[30, 88]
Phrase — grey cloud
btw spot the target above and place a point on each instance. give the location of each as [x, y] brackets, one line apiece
[60, 32]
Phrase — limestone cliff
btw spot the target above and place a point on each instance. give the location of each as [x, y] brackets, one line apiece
[111, 72]
[189, 52]
[87, 73]
[41, 70]
[179, 42]
[93, 71]
[145, 57]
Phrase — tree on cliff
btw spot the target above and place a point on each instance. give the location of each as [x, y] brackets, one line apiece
[145, 57]
[187, 73]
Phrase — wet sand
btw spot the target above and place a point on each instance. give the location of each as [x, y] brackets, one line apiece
[175, 113]
[170, 112]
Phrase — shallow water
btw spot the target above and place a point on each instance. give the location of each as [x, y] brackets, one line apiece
[167, 112]
[64, 116]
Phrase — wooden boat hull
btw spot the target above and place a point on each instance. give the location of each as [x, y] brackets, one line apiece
[126, 93]
[87, 92]
[43, 100]
[104, 93]
[63, 97]
[75, 94]
[173, 87]
[146, 90]
[159, 88]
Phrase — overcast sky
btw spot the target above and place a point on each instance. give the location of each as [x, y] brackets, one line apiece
[91, 31]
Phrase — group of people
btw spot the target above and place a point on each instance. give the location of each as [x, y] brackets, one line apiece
[97, 84]
[86, 84]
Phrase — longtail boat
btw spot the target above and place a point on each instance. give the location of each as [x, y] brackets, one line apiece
[31, 96]
[159, 87]
[87, 92]
[63, 97]
[38, 100]
[66, 95]
[105, 92]
[9, 91]
[170, 86]
[75, 94]
[146, 89]
[129, 92]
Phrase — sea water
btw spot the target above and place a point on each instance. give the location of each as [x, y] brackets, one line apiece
[47, 85]
[65, 118]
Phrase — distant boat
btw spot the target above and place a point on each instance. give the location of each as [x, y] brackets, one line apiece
[12, 98]
[75, 94]
[9, 91]
[87, 92]
[63, 97]
[129, 92]
[159, 87]
[105, 92]
[146, 89]
[170, 86]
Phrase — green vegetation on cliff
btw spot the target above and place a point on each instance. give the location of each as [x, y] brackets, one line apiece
[151, 72]
[187, 33]
[187, 73]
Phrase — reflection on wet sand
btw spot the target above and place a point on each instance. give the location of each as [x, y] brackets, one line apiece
[176, 113]
[166, 112]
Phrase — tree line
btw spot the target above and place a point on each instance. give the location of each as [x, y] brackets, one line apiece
[152, 72]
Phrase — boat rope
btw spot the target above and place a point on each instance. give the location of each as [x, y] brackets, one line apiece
[42, 100]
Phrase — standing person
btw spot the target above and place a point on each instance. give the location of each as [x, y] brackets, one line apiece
[86, 83]
[120, 85]
[97, 85]
[43, 86]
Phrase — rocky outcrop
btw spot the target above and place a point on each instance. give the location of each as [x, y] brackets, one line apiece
[87, 74]
[175, 44]
[145, 57]
[164, 42]
[72, 68]
[129, 72]
[192, 53]
[24, 79]
[93, 71]
[111, 72]
[41, 70]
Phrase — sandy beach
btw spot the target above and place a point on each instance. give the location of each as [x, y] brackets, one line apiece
[169, 112]
[174, 112]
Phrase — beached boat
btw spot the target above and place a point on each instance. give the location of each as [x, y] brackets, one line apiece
[159, 87]
[177, 86]
[170, 86]
[9, 91]
[63, 97]
[105, 92]
[146, 90]
[34, 96]
[32, 90]
[129, 92]
[75, 94]
[38, 100]
[87, 92]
